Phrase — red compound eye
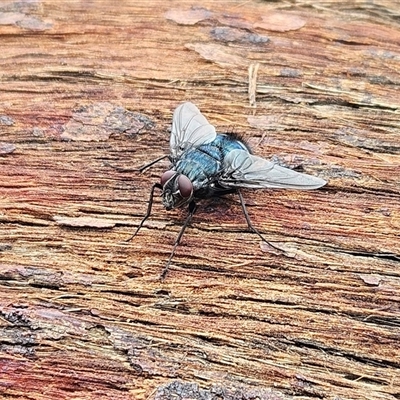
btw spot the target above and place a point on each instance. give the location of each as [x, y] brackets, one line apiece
[166, 176]
[185, 186]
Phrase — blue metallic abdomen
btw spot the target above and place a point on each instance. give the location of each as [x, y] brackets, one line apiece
[203, 164]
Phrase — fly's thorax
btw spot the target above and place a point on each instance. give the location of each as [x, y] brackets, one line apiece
[177, 189]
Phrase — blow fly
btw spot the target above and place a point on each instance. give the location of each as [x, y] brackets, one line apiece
[206, 164]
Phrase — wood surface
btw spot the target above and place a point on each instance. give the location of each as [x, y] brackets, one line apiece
[88, 89]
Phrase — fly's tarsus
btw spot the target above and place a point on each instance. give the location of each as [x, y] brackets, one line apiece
[252, 227]
[148, 212]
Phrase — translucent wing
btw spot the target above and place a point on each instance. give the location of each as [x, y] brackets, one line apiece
[189, 129]
[242, 169]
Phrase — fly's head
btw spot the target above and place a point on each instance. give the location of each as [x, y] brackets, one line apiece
[177, 189]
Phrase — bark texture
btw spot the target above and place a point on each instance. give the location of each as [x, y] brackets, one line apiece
[87, 94]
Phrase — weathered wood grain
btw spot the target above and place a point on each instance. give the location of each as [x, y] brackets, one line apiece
[90, 86]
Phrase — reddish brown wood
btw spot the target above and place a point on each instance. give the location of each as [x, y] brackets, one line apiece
[90, 86]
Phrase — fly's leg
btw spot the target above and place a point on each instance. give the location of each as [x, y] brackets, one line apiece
[192, 209]
[141, 169]
[250, 225]
[148, 212]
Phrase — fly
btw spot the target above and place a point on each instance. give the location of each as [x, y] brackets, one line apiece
[205, 164]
